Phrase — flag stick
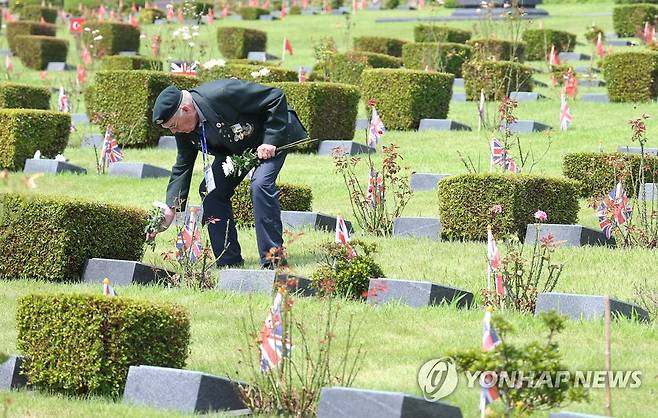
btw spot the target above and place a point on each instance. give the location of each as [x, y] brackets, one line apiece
[608, 360]
[283, 51]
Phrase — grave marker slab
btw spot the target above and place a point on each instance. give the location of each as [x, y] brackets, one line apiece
[79, 118]
[568, 414]
[527, 126]
[591, 83]
[573, 56]
[56, 66]
[167, 142]
[416, 294]
[442, 125]
[319, 221]
[89, 141]
[361, 124]
[423, 182]
[266, 17]
[261, 281]
[417, 227]
[595, 97]
[650, 191]
[235, 17]
[637, 150]
[10, 374]
[348, 147]
[570, 235]
[458, 96]
[339, 402]
[5, 53]
[538, 83]
[526, 96]
[308, 12]
[128, 53]
[137, 170]
[182, 390]
[260, 56]
[619, 42]
[586, 70]
[51, 167]
[586, 306]
[122, 272]
[458, 82]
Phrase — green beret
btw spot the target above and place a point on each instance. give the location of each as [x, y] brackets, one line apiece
[166, 104]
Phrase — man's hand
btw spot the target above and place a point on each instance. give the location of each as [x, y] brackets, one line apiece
[266, 151]
[169, 216]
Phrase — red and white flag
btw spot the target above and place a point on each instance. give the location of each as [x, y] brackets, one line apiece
[570, 84]
[81, 74]
[225, 10]
[600, 49]
[271, 337]
[9, 65]
[304, 4]
[565, 114]
[493, 255]
[132, 20]
[553, 57]
[421, 4]
[287, 47]
[107, 288]
[86, 56]
[101, 13]
[181, 18]
[133, 8]
[211, 16]
[489, 390]
[63, 101]
[648, 33]
[283, 11]
[301, 75]
[170, 12]
[343, 236]
[376, 129]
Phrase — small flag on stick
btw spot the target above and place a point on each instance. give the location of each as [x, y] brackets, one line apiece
[287, 47]
[493, 255]
[63, 101]
[343, 235]
[565, 114]
[107, 288]
[375, 129]
[271, 337]
[489, 392]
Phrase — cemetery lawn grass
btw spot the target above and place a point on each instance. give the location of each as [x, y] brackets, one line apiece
[398, 339]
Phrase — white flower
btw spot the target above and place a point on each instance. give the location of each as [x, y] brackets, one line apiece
[95, 31]
[264, 72]
[186, 36]
[37, 155]
[195, 34]
[227, 167]
[214, 63]
[87, 29]
[255, 74]
[191, 44]
[142, 36]
[60, 157]
[98, 38]
[195, 28]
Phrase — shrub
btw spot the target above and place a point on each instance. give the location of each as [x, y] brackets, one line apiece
[25, 96]
[89, 95]
[433, 33]
[445, 57]
[632, 76]
[147, 16]
[410, 96]
[23, 131]
[291, 197]
[17, 5]
[391, 4]
[117, 37]
[295, 10]
[559, 71]
[465, 203]
[597, 173]
[347, 67]
[496, 78]
[84, 345]
[629, 20]
[50, 238]
[243, 72]
[497, 50]
[37, 51]
[125, 100]
[238, 42]
[380, 45]
[122, 62]
[201, 8]
[23, 27]
[327, 110]
[592, 34]
[252, 13]
[36, 12]
[539, 41]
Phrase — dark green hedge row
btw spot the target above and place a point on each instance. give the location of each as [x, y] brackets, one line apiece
[23, 131]
[84, 345]
[497, 78]
[380, 45]
[629, 20]
[408, 95]
[347, 67]
[37, 51]
[538, 42]
[123, 62]
[497, 50]
[252, 13]
[238, 42]
[632, 76]
[24, 96]
[117, 37]
[243, 72]
[433, 33]
[34, 13]
[150, 15]
[291, 197]
[444, 57]
[466, 202]
[23, 27]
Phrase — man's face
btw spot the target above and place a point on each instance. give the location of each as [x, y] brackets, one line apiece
[184, 120]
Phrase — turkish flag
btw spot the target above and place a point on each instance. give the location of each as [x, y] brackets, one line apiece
[76, 24]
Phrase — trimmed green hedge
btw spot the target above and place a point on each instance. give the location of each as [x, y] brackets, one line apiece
[465, 203]
[629, 20]
[497, 49]
[409, 95]
[125, 100]
[238, 42]
[23, 27]
[117, 37]
[433, 33]
[597, 173]
[327, 110]
[631, 76]
[243, 72]
[123, 62]
[23, 131]
[17, 5]
[24, 96]
[347, 67]
[539, 41]
[291, 197]
[380, 45]
[445, 57]
[497, 78]
[150, 15]
[252, 13]
[36, 12]
[50, 238]
[84, 344]
[37, 51]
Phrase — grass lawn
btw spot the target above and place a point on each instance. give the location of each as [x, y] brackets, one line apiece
[398, 339]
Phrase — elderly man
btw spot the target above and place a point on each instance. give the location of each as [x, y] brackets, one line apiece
[224, 118]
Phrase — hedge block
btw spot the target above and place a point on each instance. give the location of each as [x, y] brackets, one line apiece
[126, 62]
[327, 110]
[380, 45]
[496, 78]
[465, 203]
[150, 15]
[23, 131]
[292, 197]
[125, 100]
[410, 95]
[445, 57]
[37, 51]
[252, 13]
[23, 27]
[50, 238]
[631, 76]
[84, 345]
[117, 37]
[497, 50]
[433, 33]
[24, 96]
[539, 42]
[35, 13]
[238, 42]
[629, 20]
[244, 72]
[348, 67]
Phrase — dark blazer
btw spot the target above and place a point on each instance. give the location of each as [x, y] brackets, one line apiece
[239, 115]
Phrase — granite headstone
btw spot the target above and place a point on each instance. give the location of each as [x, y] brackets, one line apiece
[417, 228]
[423, 182]
[327, 147]
[568, 235]
[316, 220]
[11, 376]
[122, 272]
[51, 167]
[586, 306]
[442, 125]
[137, 170]
[261, 281]
[416, 294]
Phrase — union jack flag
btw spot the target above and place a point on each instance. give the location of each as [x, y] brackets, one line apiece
[271, 337]
[619, 199]
[189, 239]
[489, 341]
[184, 68]
[375, 195]
[565, 114]
[107, 288]
[493, 255]
[499, 157]
[111, 153]
[570, 83]
[63, 101]
[604, 222]
[600, 49]
[343, 235]
[375, 129]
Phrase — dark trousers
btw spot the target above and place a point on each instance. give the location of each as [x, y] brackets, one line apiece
[267, 210]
